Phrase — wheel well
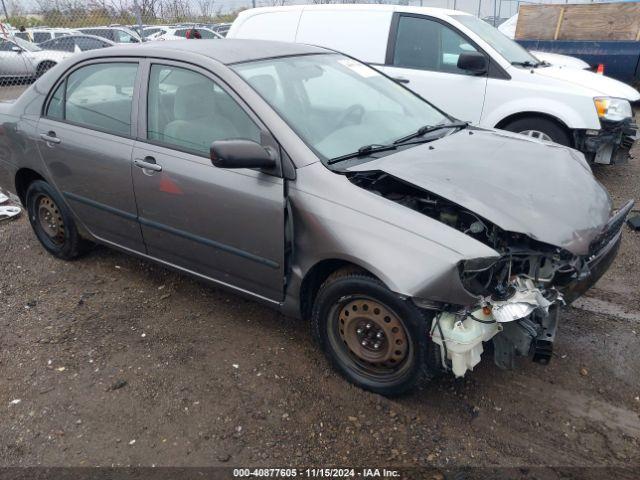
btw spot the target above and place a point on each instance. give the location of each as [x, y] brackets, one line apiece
[24, 177]
[317, 275]
[520, 115]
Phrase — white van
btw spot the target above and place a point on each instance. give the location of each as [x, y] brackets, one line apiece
[467, 68]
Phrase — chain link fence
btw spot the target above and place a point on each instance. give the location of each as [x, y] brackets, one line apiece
[37, 34]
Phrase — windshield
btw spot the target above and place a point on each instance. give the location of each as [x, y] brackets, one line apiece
[30, 47]
[510, 50]
[337, 104]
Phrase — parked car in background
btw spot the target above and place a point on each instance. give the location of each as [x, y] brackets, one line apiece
[20, 59]
[39, 35]
[406, 237]
[76, 43]
[221, 28]
[153, 30]
[184, 33]
[115, 34]
[466, 67]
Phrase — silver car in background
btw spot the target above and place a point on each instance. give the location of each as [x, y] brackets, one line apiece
[311, 182]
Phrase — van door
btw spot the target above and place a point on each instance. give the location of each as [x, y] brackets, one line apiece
[423, 53]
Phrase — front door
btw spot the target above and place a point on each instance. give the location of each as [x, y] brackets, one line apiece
[12, 62]
[86, 142]
[423, 53]
[226, 225]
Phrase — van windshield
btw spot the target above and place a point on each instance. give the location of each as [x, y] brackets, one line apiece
[513, 52]
[336, 104]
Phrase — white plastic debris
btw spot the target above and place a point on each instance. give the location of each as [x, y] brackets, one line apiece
[525, 300]
[3, 198]
[9, 211]
[15, 401]
[235, 365]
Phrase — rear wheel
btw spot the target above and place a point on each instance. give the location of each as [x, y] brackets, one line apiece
[540, 128]
[52, 222]
[375, 339]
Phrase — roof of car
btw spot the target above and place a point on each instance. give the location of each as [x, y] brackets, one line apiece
[225, 51]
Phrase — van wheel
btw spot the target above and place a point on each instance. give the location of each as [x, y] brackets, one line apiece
[540, 128]
[53, 223]
[43, 67]
[376, 340]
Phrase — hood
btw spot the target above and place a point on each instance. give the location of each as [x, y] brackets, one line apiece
[558, 60]
[601, 84]
[522, 185]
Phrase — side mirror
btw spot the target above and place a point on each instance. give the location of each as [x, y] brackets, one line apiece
[240, 154]
[474, 62]
[16, 49]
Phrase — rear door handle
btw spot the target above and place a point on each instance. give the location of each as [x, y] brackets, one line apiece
[50, 137]
[401, 80]
[149, 163]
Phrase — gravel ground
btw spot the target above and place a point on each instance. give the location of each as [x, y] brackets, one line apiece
[111, 360]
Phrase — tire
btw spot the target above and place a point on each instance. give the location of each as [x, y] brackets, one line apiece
[343, 294]
[43, 67]
[548, 127]
[53, 222]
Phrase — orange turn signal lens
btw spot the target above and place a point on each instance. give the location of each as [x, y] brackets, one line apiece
[602, 105]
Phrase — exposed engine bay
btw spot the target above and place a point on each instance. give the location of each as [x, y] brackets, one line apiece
[519, 290]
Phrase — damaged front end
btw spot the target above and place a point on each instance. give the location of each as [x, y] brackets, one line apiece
[519, 290]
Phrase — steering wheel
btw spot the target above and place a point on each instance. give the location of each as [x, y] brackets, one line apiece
[351, 116]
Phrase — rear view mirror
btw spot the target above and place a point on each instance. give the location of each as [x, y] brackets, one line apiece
[16, 49]
[474, 62]
[240, 154]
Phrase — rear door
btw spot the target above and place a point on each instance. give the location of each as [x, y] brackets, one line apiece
[226, 225]
[86, 141]
[423, 54]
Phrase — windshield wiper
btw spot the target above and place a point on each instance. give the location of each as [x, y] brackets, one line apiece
[526, 64]
[428, 129]
[362, 151]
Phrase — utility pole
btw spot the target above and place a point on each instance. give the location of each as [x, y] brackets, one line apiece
[253, 2]
[479, 5]
[6, 14]
[495, 5]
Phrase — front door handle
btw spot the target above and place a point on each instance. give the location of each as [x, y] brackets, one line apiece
[401, 80]
[50, 137]
[148, 163]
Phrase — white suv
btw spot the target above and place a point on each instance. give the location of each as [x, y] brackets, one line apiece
[466, 67]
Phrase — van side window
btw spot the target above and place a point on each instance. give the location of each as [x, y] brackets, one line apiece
[428, 45]
[98, 96]
[189, 111]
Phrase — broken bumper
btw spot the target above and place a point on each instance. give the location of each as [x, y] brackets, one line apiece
[609, 145]
[603, 252]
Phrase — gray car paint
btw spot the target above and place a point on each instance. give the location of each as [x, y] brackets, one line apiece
[521, 185]
[412, 254]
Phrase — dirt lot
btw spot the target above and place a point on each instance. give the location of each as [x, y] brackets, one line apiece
[110, 360]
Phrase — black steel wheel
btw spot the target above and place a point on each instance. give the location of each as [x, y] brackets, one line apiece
[52, 222]
[371, 336]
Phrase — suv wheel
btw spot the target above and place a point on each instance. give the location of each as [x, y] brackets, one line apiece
[540, 128]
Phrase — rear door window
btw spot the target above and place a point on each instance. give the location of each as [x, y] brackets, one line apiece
[97, 96]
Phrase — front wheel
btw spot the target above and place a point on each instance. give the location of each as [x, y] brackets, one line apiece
[540, 128]
[376, 340]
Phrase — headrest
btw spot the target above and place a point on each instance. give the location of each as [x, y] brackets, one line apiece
[194, 101]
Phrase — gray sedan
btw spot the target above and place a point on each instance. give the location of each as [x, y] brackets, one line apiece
[311, 182]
